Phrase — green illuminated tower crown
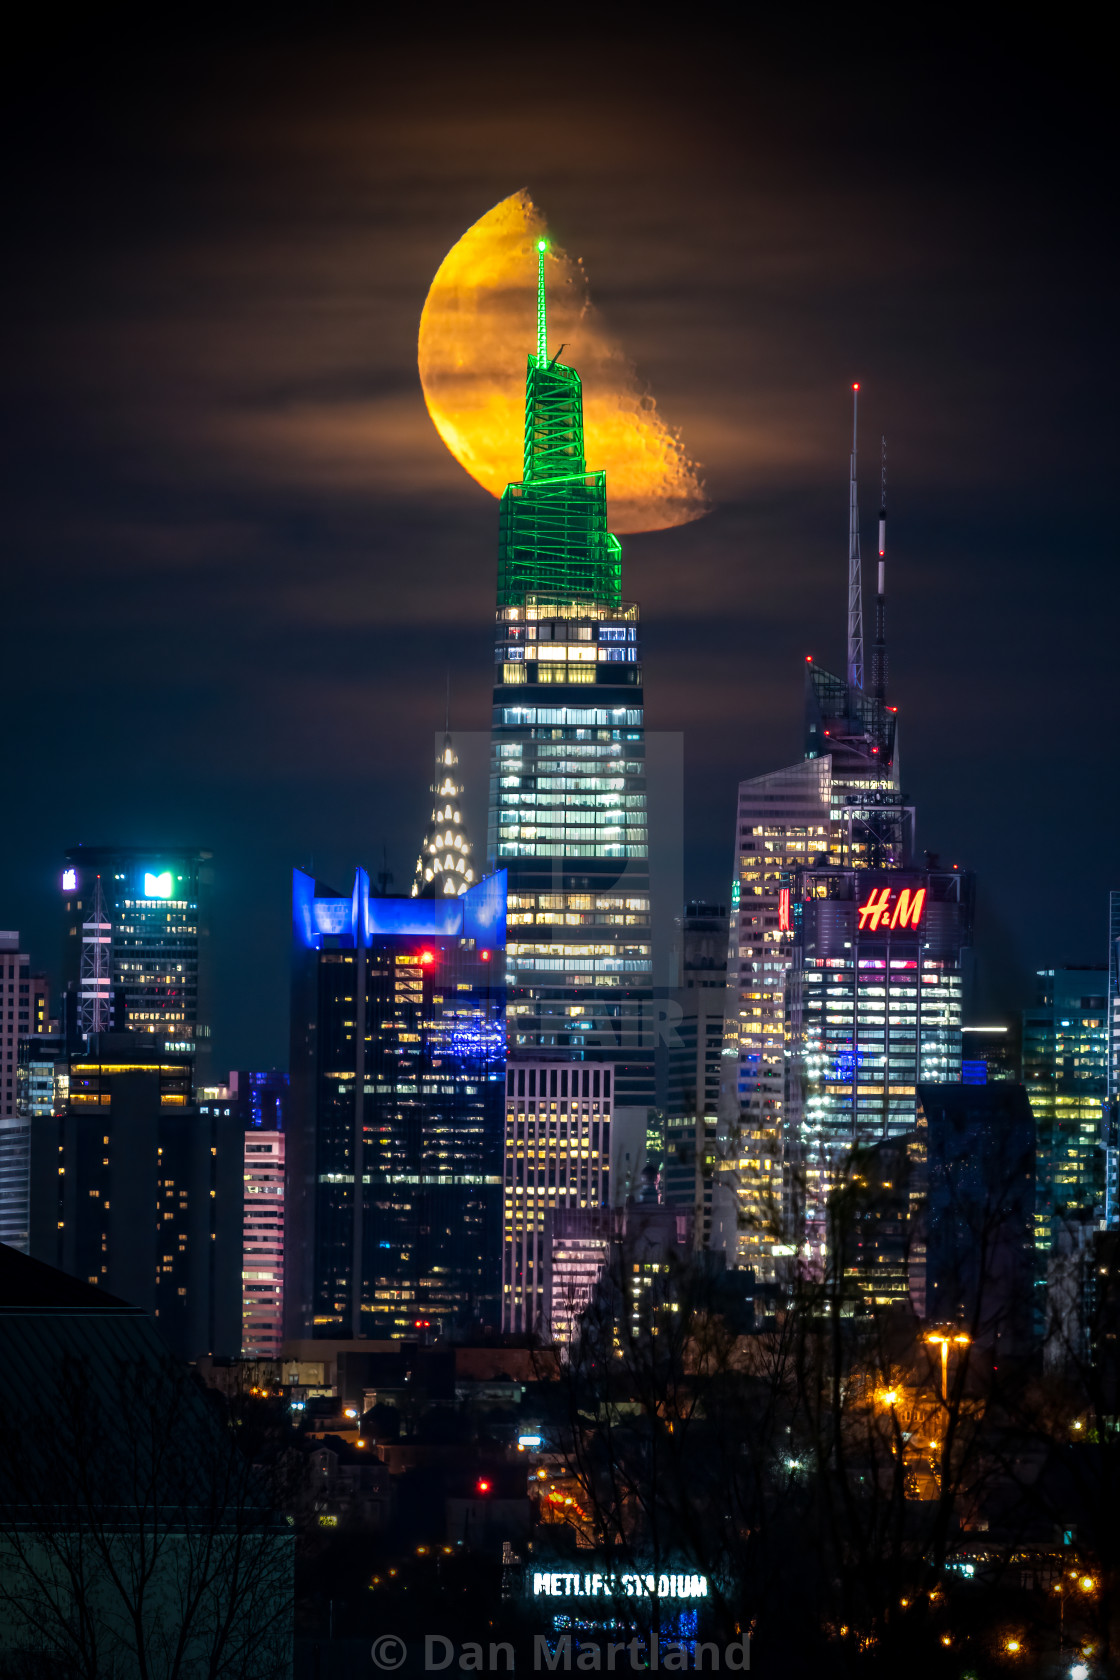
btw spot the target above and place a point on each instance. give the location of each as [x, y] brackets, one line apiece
[553, 537]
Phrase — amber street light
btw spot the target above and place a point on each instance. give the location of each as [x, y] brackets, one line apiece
[942, 1339]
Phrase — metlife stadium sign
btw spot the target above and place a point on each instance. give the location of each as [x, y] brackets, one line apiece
[600, 1584]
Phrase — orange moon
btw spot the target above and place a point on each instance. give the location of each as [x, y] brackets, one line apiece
[477, 327]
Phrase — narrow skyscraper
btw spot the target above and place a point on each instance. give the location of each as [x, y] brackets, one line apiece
[568, 815]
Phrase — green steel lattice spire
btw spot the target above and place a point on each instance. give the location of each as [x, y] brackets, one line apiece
[554, 539]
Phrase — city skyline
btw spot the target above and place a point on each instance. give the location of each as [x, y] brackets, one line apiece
[256, 533]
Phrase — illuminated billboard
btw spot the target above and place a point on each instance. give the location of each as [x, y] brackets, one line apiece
[605, 1584]
[69, 880]
[157, 886]
[884, 909]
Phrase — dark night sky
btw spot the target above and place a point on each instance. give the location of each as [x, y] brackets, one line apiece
[239, 561]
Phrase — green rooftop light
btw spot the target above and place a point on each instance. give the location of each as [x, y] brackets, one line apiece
[554, 538]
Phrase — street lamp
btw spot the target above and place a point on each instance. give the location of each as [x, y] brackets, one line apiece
[942, 1339]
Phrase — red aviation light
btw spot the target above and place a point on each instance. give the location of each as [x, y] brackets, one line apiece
[482, 1485]
[427, 957]
[855, 387]
[484, 956]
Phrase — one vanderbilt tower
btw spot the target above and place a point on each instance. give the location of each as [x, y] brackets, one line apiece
[568, 819]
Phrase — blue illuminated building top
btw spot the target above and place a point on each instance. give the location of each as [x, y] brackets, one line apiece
[318, 913]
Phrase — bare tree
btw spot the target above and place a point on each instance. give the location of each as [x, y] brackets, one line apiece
[136, 1537]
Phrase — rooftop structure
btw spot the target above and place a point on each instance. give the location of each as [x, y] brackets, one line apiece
[568, 813]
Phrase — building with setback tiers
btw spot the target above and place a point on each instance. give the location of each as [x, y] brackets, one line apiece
[393, 1143]
[842, 807]
[568, 818]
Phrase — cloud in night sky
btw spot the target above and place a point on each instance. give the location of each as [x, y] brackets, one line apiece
[225, 498]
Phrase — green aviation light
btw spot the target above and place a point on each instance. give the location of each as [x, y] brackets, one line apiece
[553, 531]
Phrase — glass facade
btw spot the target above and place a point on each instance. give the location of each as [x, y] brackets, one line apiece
[155, 922]
[398, 1061]
[873, 1007]
[1065, 1070]
[1112, 1117]
[258, 1101]
[840, 807]
[557, 1158]
[568, 811]
[262, 1264]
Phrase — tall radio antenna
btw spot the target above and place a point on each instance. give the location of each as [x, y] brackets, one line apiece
[855, 583]
[94, 993]
[542, 326]
[879, 651]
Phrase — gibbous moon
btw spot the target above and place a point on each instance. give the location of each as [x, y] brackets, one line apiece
[477, 327]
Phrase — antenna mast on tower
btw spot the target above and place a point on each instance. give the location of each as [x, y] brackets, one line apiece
[855, 582]
[95, 999]
[542, 326]
[879, 651]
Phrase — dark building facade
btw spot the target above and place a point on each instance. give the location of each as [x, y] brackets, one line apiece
[135, 944]
[397, 1086]
[979, 1211]
[132, 1189]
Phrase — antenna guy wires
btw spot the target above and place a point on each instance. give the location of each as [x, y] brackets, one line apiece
[855, 581]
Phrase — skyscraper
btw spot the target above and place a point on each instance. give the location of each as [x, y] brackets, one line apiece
[783, 821]
[258, 1103]
[873, 1007]
[1112, 1114]
[26, 1036]
[136, 1191]
[695, 1056]
[841, 809]
[1065, 1071]
[444, 868]
[398, 1071]
[568, 815]
[557, 1159]
[135, 946]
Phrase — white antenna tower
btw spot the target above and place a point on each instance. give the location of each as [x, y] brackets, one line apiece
[94, 996]
[855, 581]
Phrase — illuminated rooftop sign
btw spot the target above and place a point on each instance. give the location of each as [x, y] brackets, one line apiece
[602, 1584]
[69, 880]
[883, 909]
[479, 913]
[157, 886]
